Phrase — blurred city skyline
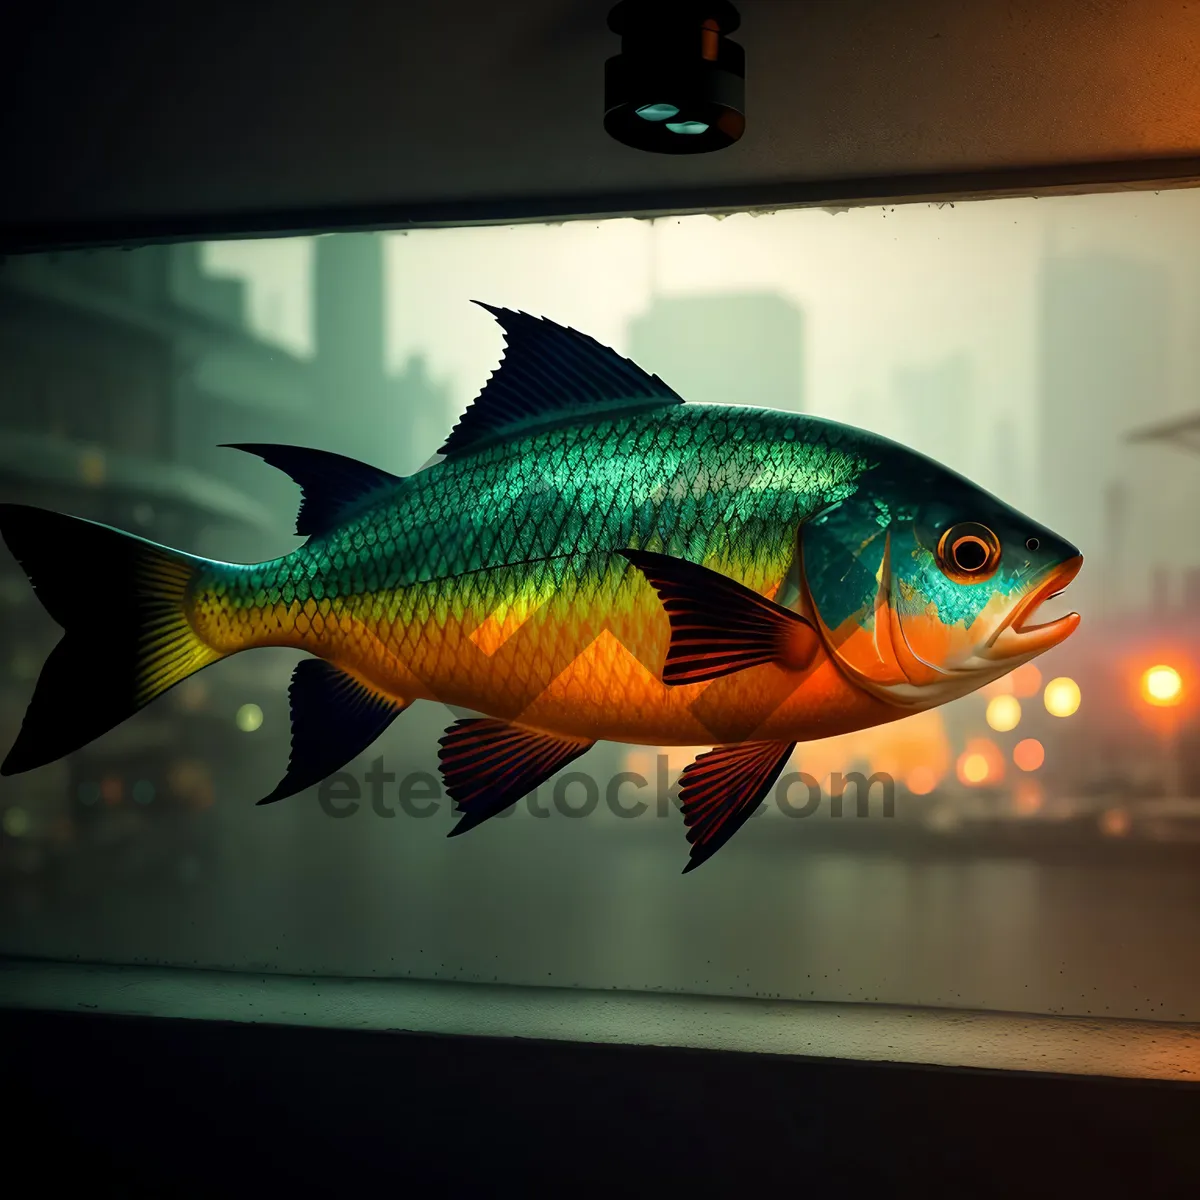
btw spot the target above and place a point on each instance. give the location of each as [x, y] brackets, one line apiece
[1047, 828]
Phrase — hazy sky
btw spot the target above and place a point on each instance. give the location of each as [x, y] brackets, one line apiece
[881, 288]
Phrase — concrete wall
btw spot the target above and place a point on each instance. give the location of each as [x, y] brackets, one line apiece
[265, 117]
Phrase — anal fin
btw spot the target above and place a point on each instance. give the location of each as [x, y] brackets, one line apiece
[334, 719]
[488, 765]
[719, 626]
[721, 789]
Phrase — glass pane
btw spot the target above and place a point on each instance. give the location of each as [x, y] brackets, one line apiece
[1033, 845]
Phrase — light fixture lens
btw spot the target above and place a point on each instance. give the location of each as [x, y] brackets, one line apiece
[657, 112]
[687, 127]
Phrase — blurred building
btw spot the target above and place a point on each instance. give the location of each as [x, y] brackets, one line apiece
[933, 405]
[122, 373]
[726, 348]
[1103, 367]
[423, 405]
[1003, 473]
[394, 420]
[114, 350]
[106, 360]
[348, 295]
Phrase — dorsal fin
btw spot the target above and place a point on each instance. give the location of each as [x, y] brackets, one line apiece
[548, 374]
[332, 484]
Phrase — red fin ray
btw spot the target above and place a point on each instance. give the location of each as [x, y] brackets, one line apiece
[719, 626]
[721, 790]
[488, 765]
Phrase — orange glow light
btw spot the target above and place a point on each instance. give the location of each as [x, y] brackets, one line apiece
[900, 748]
[1004, 713]
[1162, 686]
[981, 762]
[1029, 754]
[1115, 822]
[1028, 799]
[998, 687]
[921, 781]
[1026, 681]
[1062, 697]
[973, 768]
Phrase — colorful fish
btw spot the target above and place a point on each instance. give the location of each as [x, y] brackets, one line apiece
[591, 558]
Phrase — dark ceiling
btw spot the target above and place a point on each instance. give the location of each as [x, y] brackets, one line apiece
[266, 116]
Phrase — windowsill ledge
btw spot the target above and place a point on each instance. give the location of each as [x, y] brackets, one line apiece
[857, 1032]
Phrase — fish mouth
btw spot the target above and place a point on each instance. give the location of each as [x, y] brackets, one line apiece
[1017, 636]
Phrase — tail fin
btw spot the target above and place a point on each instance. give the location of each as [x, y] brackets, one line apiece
[121, 601]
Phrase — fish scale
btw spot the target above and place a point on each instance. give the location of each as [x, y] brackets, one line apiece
[465, 537]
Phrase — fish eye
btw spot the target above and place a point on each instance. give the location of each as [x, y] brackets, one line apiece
[1032, 543]
[968, 552]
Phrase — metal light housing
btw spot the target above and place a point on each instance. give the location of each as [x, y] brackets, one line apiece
[678, 85]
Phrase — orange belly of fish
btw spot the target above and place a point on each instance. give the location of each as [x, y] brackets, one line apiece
[597, 676]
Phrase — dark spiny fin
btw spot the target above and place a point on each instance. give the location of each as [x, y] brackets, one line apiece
[721, 790]
[718, 626]
[548, 375]
[489, 765]
[334, 719]
[120, 600]
[333, 485]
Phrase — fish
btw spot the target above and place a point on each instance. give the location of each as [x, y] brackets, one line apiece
[588, 557]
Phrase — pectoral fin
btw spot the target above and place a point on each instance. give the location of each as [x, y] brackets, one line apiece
[488, 765]
[721, 790]
[334, 719]
[718, 626]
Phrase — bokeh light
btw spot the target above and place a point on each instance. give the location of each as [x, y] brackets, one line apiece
[1162, 686]
[973, 768]
[1062, 697]
[1027, 799]
[1026, 681]
[191, 782]
[92, 467]
[1004, 713]
[921, 780]
[640, 761]
[982, 761]
[1029, 754]
[249, 718]
[193, 695]
[1115, 822]
[900, 748]
[16, 821]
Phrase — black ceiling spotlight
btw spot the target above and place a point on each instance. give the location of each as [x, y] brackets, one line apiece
[678, 85]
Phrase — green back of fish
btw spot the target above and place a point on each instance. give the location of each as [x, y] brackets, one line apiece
[704, 483]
